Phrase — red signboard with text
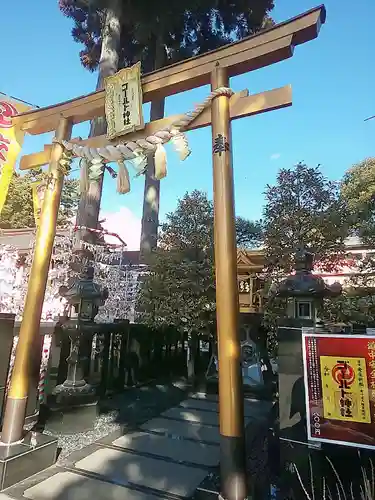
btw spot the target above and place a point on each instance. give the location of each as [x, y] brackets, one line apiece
[340, 388]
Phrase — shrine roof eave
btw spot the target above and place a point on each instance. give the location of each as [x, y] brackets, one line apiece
[250, 260]
[262, 49]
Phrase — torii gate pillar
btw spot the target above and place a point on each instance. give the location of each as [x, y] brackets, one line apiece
[232, 436]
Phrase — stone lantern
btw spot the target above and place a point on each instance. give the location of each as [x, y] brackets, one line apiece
[84, 297]
[305, 291]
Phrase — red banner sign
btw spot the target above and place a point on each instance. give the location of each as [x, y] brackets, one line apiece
[340, 388]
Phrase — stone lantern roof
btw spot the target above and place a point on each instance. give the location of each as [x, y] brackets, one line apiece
[304, 283]
[83, 286]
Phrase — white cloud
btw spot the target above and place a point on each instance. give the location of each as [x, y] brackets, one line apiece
[275, 156]
[125, 224]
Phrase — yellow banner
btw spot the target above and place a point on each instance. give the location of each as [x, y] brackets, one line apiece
[11, 140]
[38, 188]
[345, 389]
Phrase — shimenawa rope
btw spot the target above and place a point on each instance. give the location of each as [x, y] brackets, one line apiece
[137, 152]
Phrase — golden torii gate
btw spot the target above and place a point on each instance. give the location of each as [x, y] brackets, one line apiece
[215, 68]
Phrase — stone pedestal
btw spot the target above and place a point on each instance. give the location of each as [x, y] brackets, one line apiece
[292, 403]
[19, 461]
[304, 293]
[293, 444]
[71, 415]
[295, 449]
[72, 407]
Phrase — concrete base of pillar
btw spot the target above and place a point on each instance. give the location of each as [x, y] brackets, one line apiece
[33, 454]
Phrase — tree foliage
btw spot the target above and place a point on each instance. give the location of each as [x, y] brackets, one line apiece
[183, 28]
[358, 192]
[303, 208]
[357, 303]
[190, 227]
[179, 288]
[18, 211]
[179, 291]
[249, 233]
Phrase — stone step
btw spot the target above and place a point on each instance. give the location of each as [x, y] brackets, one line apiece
[209, 405]
[205, 396]
[182, 429]
[127, 468]
[195, 416]
[200, 404]
[253, 408]
[71, 486]
[193, 452]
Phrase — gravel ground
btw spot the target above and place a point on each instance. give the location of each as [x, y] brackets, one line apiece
[132, 407]
[104, 425]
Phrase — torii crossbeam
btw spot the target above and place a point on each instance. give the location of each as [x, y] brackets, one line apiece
[215, 68]
[241, 105]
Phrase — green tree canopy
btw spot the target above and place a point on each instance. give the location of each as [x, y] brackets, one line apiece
[358, 192]
[303, 208]
[181, 29]
[18, 211]
[357, 303]
[190, 227]
[179, 288]
[249, 233]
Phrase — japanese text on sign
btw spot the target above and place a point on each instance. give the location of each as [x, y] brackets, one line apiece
[343, 385]
[123, 102]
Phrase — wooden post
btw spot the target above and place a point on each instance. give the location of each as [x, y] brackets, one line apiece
[15, 409]
[232, 436]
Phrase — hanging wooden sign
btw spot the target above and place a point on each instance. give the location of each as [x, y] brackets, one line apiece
[123, 102]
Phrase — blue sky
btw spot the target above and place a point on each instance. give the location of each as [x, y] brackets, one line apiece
[333, 79]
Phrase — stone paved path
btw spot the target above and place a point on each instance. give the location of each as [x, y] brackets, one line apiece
[168, 456]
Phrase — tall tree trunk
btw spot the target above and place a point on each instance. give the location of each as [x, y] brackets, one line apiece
[88, 211]
[151, 196]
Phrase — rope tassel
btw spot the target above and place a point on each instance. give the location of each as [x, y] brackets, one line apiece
[139, 163]
[123, 182]
[181, 145]
[84, 176]
[160, 160]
